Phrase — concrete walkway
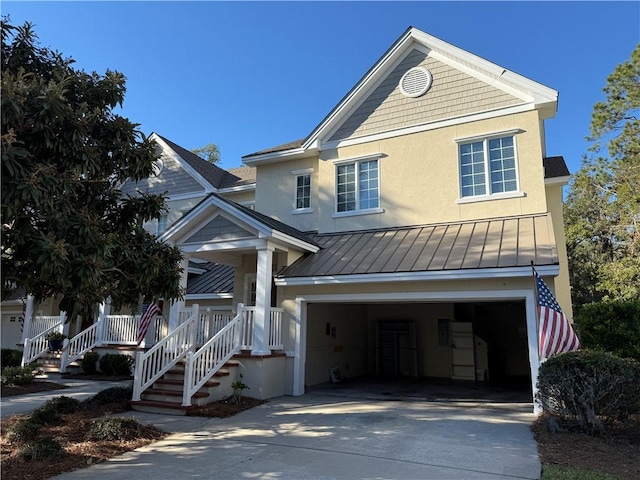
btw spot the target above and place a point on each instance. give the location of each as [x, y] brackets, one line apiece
[78, 389]
[337, 437]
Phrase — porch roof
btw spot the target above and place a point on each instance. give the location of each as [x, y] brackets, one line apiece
[491, 243]
[217, 278]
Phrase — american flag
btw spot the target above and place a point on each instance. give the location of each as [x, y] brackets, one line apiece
[556, 334]
[22, 315]
[148, 313]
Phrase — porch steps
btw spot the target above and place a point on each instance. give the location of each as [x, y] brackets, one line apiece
[165, 395]
[50, 363]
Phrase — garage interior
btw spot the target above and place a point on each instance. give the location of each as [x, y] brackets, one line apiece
[465, 343]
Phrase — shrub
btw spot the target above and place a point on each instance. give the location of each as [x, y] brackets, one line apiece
[89, 362]
[114, 428]
[62, 405]
[115, 364]
[112, 395]
[25, 430]
[585, 385]
[45, 416]
[10, 357]
[40, 449]
[612, 326]
[17, 375]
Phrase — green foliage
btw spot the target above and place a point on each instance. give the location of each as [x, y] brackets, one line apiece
[585, 386]
[612, 326]
[55, 336]
[46, 416]
[602, 211]
[554, 472]
[238, 386]
[17, 375]
[114, 428]
[41, 449]
[210, 153]
[116, 364]
[24, 430]
[89, 362]
[112, 395]
[67, 228]
[10, 357]
[63, 405]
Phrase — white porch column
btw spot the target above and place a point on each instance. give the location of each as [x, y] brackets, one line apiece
[264, 275]
[28, 316]
[177, 305]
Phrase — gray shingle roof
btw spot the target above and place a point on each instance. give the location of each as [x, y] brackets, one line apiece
[555, 167]
[492, 243]
[278, 148]
[216, 176]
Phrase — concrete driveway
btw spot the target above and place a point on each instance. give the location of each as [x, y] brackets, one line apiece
[321, 436]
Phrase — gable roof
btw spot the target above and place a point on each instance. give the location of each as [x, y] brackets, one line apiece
[266, 226]
[217, 177]
[534, 94]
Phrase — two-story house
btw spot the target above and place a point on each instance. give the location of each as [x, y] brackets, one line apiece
[398, 237]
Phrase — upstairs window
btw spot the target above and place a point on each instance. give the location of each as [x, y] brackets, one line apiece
[303, 191]
[488, 167]
[357, 186]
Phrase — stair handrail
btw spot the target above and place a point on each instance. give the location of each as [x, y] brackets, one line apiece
[38, 345]
[203, 364]
[159, 359]
[77, 346]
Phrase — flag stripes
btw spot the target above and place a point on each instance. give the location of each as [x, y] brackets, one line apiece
[145, 320]
[555, 332]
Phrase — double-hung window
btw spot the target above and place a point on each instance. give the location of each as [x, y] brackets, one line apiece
[302, 192]
[488, 166]
[357, 186]
[162, 224]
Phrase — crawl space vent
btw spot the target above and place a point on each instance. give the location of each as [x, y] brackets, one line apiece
[415, 82]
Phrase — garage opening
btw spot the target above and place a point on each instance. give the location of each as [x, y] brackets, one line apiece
[464, 343]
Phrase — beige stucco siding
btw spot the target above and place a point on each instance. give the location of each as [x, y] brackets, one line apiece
[561, 282]
[419, 177]
[275, 192]
[452, 94]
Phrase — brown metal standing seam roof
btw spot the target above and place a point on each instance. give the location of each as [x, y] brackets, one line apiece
[491, 243]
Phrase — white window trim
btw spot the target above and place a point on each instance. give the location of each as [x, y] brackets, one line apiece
[248, 279]
[296, 174]
[357, 211]
[487, 167]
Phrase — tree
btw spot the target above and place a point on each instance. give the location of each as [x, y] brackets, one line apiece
[210, 153]
[67, 229]
[602, 212]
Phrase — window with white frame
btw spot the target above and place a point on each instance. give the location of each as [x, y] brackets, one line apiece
[162, 224]
[357, 186]
[303, 191]
[488, 166]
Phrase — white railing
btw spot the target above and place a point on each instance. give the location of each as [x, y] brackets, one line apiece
[76, 347]
[248, 327]
[248, 323]
[120, 329]
[40, 324]
[37, 346]
[203, 364]
[275, 328]
[209, 324]
[158, 360]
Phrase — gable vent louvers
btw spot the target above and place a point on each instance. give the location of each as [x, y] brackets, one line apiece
[415, 82]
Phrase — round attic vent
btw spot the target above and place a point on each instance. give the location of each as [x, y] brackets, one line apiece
[416, 82]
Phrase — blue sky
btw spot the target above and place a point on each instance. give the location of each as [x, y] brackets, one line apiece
[251, 75]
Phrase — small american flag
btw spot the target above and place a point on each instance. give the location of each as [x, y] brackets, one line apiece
[555, 331]
[149, 312]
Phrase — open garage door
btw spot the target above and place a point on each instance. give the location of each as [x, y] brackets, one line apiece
[419, 341]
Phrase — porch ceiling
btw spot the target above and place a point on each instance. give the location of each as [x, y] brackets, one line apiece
[490, 244]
